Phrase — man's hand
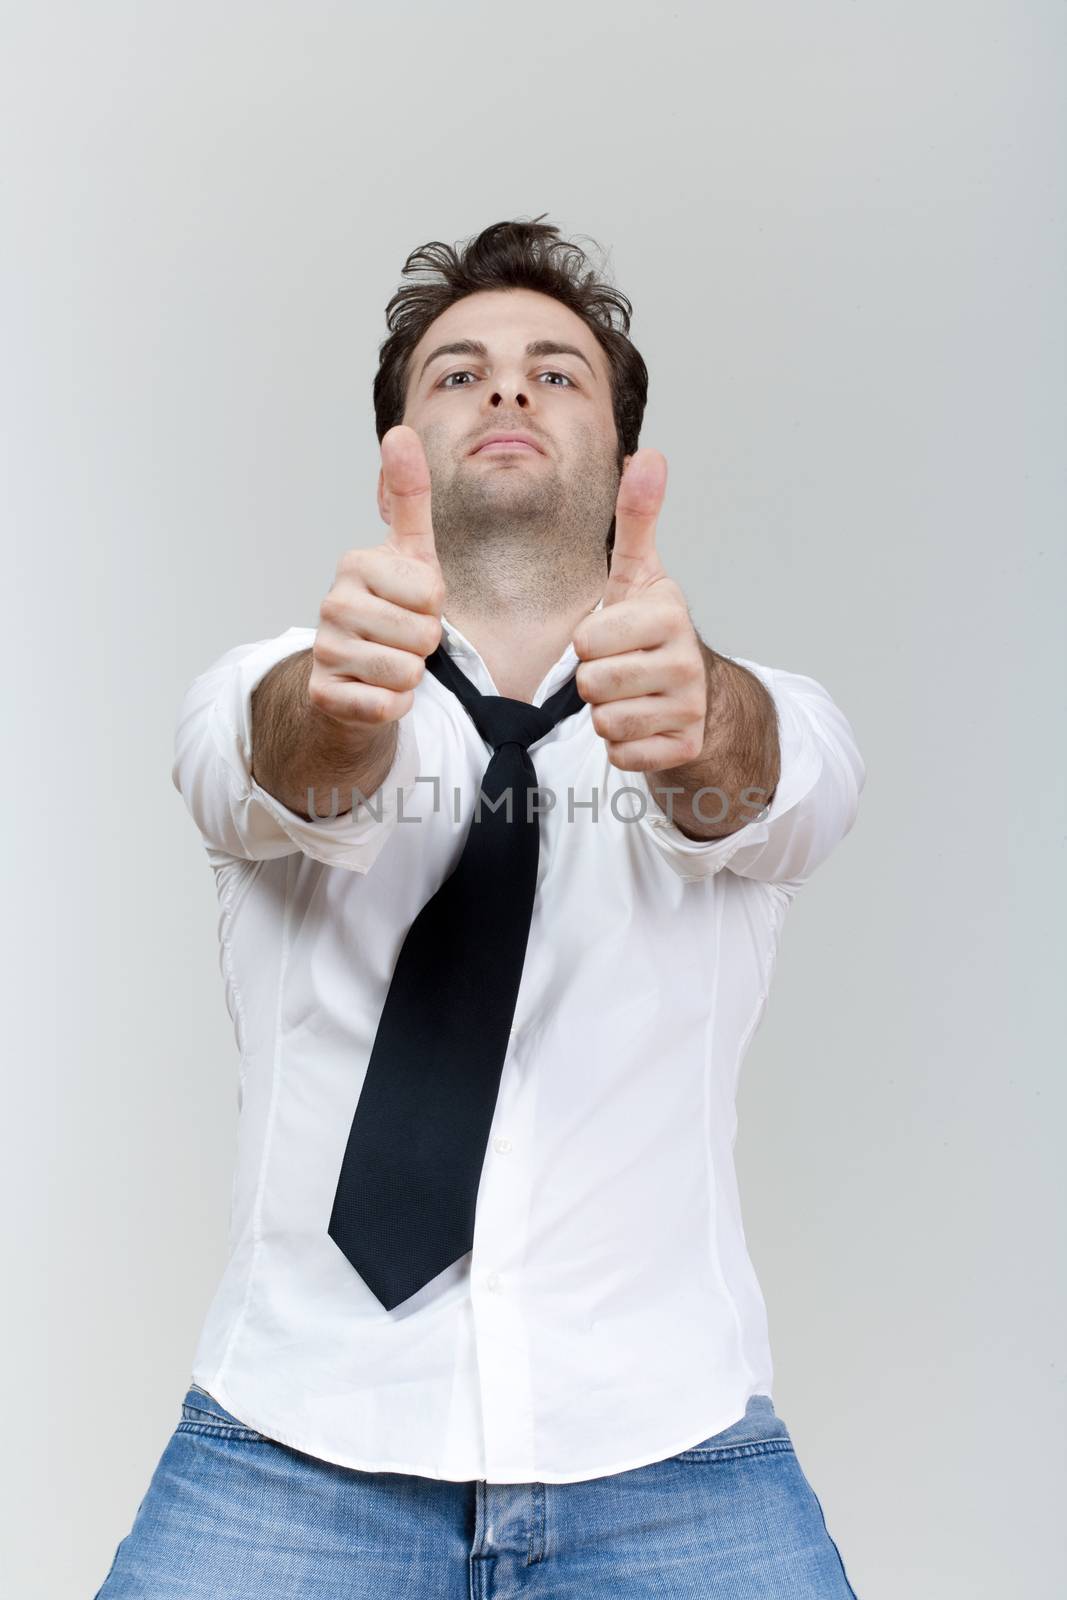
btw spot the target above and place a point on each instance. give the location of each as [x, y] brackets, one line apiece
[642, 669]
[382, 617]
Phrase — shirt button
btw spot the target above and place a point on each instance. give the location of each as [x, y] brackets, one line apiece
[503, 1145]
[493, 1282]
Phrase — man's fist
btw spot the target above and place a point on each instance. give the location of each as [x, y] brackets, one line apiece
[641, 668]
[382, 617]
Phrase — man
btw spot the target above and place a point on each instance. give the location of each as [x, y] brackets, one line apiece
[564, 1388]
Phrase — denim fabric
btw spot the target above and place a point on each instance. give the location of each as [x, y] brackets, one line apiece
[231, 1515]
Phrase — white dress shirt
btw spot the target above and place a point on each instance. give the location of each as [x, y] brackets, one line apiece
[608, 1315]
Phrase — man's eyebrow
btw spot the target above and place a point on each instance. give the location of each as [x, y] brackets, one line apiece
[475, 347]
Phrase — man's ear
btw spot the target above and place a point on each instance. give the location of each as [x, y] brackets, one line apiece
[381, 495]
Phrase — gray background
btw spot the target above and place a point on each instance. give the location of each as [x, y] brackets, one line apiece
[842, 228]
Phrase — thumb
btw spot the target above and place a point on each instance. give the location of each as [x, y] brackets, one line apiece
[634, 560]
[406, 477]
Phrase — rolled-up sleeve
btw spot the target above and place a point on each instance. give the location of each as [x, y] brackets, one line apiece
[814, 805]
[212, 771]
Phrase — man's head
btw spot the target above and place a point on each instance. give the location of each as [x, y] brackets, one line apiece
[540, 356]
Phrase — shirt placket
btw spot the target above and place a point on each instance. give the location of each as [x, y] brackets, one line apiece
[500, 1232]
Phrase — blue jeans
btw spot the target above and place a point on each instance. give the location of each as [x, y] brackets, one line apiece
[231, 1515]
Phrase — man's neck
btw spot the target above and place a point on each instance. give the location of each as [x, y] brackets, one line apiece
[518, 647]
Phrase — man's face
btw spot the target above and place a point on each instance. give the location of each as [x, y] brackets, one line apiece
[559, 396]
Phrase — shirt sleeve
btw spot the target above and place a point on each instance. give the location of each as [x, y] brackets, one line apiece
[813, 807]
[212, 771]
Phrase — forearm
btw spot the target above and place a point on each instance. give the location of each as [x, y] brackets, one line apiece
[740, 759]
[297, 748]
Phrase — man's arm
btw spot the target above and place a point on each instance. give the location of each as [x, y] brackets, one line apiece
[740, 760]
[297, 748]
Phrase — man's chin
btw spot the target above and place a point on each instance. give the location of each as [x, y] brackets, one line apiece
[515, 490]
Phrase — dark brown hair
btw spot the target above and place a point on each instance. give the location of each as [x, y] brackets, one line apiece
[511, 255]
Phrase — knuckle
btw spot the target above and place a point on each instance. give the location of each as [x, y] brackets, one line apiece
[376, 707]
[351, 564]
[432, 632]
[327, 652]
[322, 694]
[414, 670]
[336, 609]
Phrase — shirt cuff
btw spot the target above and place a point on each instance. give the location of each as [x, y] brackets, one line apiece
[255, 823]
[800, 769]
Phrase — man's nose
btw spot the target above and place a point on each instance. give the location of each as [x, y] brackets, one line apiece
[506, 390]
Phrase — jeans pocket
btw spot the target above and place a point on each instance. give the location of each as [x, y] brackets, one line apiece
[760, 1431]
[202, 1413]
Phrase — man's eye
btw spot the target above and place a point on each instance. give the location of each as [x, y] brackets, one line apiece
[446, 382]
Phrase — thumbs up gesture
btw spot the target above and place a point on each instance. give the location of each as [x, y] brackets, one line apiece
[382, 616]
[641, 665]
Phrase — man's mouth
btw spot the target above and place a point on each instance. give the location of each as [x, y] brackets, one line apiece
[505, 444]
[507, 441]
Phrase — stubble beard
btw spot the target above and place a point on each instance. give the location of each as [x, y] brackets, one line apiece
[522, 536]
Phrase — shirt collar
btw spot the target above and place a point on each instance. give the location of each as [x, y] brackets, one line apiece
[460, 648]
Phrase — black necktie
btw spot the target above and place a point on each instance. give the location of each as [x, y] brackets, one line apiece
[405, 1200]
